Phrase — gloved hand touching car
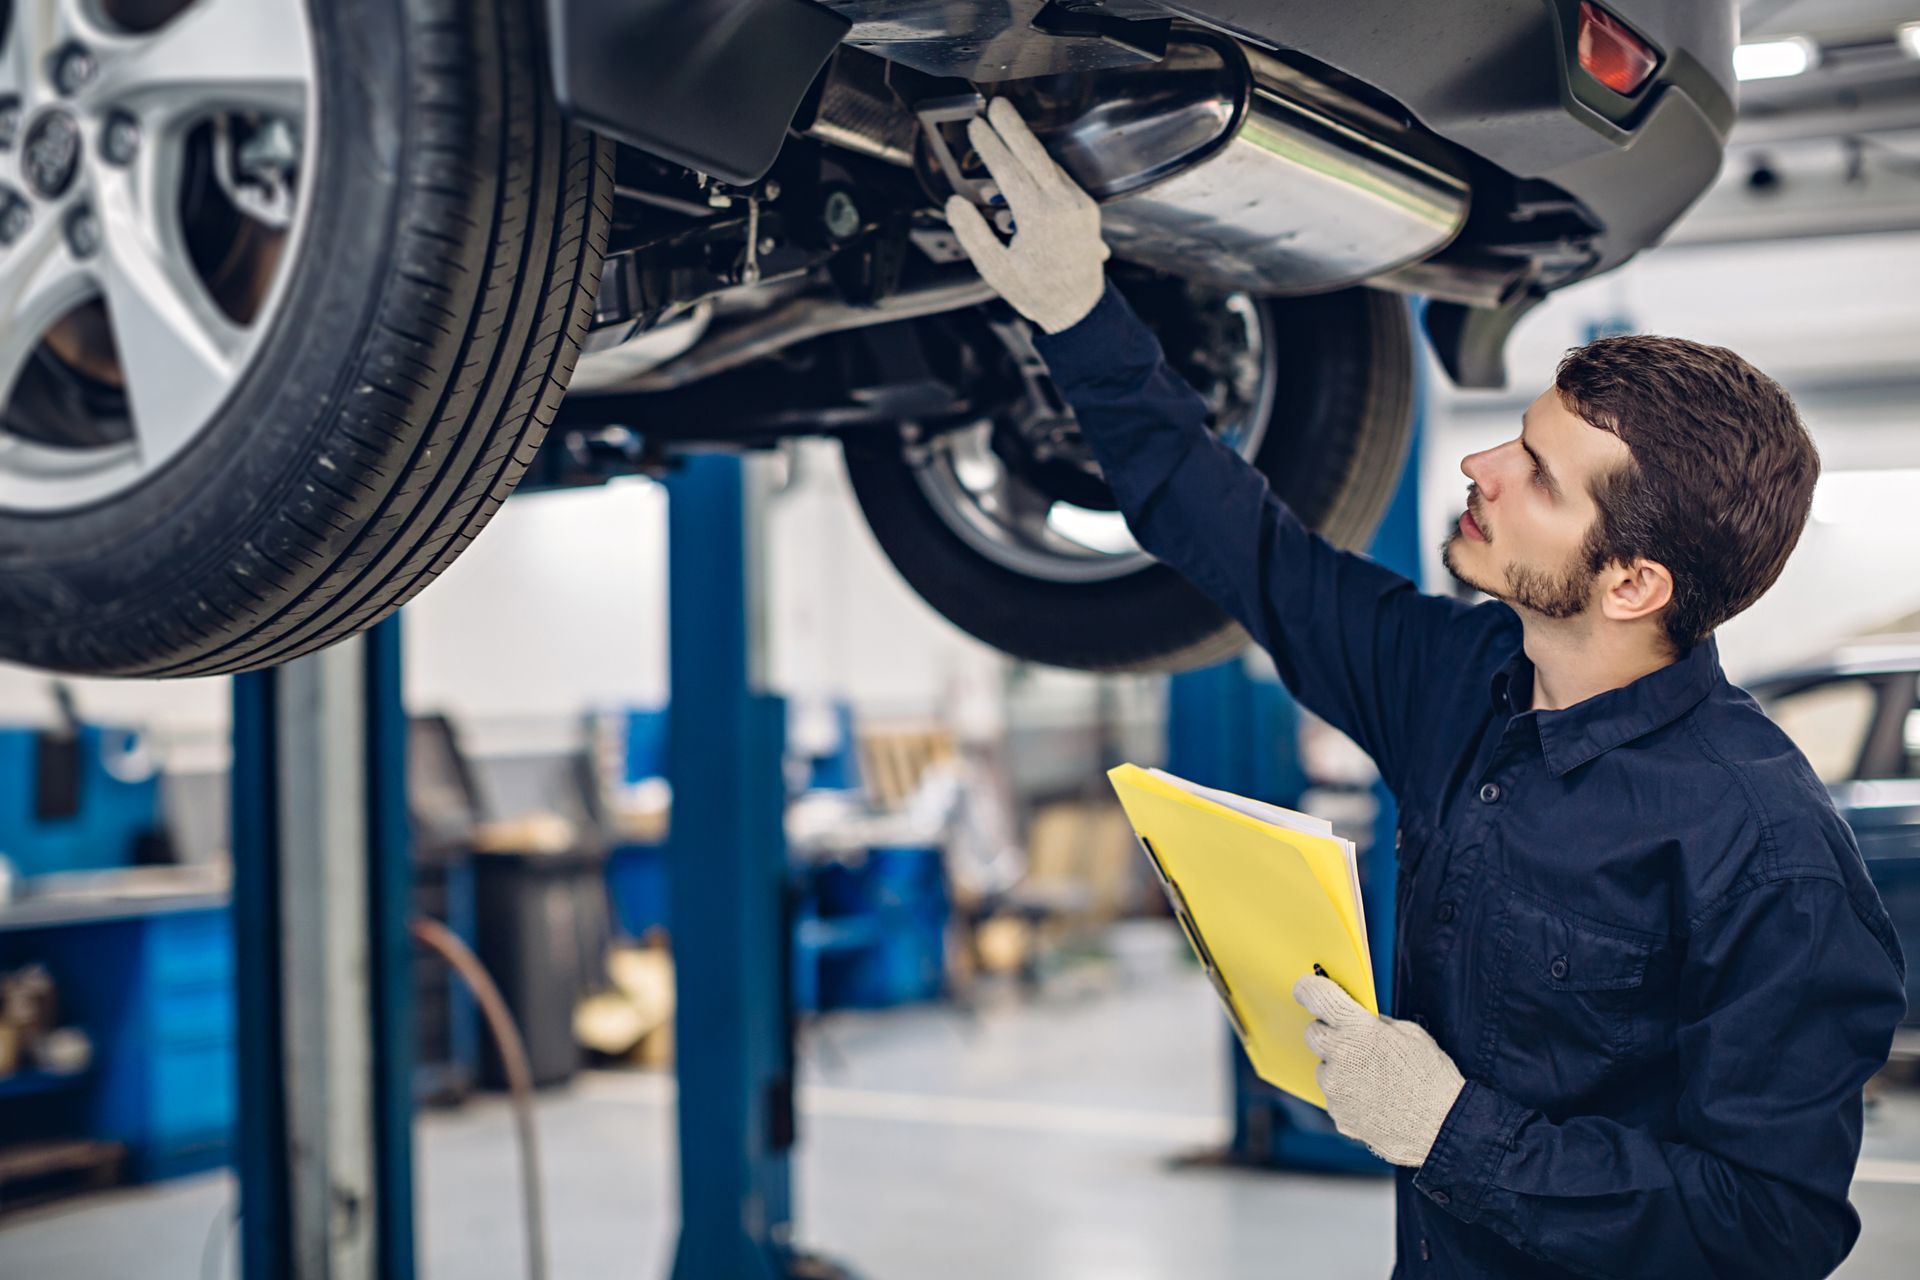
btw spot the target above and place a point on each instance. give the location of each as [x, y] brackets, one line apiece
[1051, 272]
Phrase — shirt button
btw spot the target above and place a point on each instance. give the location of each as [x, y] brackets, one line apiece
[1489, 792]
[1558, 968]
[1426, 1254]
[1444, 912]
[1442, 1199]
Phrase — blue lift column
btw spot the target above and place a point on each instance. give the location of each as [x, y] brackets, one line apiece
[321, 898]
[728, 915]
[1227, 729]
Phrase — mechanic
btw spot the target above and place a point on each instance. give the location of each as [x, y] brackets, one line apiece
[1641, 975]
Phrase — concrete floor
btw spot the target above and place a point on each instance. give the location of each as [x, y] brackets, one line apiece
[1029, 1140]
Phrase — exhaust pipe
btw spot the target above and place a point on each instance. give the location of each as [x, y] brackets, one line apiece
[799, 320]
[1224, 165]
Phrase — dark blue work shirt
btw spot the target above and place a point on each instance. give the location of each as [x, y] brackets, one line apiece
[1637, 924]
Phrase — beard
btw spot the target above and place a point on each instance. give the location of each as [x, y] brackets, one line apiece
[1564, 594]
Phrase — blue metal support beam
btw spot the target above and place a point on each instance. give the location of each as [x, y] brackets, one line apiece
[322, 882]
[733, 1030]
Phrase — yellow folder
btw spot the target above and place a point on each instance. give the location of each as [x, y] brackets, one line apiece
[1264, 894]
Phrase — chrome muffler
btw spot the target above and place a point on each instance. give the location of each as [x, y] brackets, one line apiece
[1224, 165]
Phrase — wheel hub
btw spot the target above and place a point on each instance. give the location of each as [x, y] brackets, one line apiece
[51, 156]
[1023, 488]
[120, 336]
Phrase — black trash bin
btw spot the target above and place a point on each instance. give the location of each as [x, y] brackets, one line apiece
[542, 931]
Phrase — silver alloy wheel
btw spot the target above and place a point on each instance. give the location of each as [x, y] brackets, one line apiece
[1005, 515]
[97, 122]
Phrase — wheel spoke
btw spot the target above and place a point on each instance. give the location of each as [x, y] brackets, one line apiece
[216, 55]
[39, 283]
[33, 30]
[179, 352]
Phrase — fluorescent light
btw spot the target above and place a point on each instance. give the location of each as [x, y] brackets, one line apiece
[1885, 498]
[1908, 34]
[1771, 59]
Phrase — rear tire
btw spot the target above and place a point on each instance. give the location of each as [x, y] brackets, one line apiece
[1333, 450]
[429, 326]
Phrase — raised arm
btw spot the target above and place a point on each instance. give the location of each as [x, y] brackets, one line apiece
[1357, 643]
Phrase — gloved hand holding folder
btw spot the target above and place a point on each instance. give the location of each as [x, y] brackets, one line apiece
[1264, 894]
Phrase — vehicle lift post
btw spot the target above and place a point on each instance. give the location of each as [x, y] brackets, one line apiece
[728, 909]
[322, 883]
[321, 895]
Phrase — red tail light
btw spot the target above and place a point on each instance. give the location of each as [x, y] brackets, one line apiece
[1611, 54]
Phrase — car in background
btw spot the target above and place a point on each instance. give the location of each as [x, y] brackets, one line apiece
[295, 293]
[1856, 717]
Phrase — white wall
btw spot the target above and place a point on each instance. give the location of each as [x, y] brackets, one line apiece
[844, 624]
[559, 606]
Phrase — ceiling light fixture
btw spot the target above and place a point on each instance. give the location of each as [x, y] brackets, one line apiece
[1772, 59]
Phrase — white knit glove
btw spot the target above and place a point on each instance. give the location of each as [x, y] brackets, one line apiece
[1051, 271]
[1387, 1083]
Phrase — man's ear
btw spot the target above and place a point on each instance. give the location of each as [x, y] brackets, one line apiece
[1636, 590]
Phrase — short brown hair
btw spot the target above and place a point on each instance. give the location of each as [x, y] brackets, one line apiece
[1720, 476]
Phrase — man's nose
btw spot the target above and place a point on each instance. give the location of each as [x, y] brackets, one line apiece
[1475, 467]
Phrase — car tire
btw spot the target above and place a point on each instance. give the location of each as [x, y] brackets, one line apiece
[1333, 449]
[428, 326]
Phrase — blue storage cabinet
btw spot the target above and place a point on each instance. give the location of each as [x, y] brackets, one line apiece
[636, 870]
[153, 988]
[637, 887]
[872, 933]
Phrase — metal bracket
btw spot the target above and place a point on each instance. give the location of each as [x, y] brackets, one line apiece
[935, 118]
[1148, 37]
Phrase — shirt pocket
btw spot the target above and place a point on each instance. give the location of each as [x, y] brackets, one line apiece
[1574, 1002]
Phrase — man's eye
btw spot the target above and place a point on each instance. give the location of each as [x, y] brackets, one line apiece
[1537, 477]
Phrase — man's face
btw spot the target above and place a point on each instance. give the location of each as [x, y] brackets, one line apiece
[1529, 508]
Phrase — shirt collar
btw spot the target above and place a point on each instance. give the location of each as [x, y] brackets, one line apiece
[1574, 735]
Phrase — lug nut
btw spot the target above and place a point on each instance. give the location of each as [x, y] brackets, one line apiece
[73, 66]
[9, 122]
[15, 218]
[83, 232]
[120, 139]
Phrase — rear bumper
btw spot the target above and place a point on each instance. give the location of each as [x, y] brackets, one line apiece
[1501, 79]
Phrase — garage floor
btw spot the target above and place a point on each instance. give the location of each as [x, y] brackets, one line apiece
[1031, 1140]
